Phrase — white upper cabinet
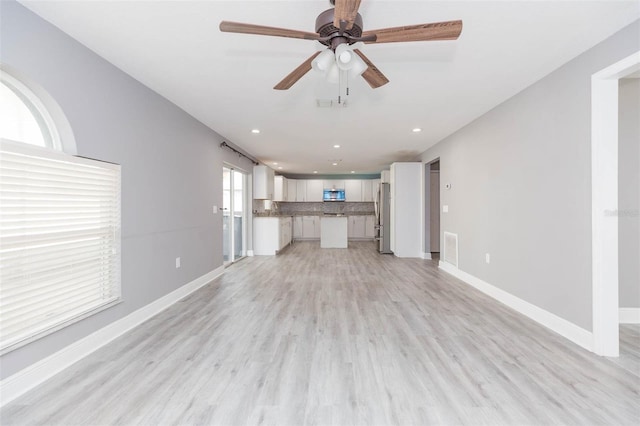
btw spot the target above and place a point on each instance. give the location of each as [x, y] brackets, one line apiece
[353, 190]
[367, 192]
[333, 184]
[292, 189]
[280, 188]
[314, 190]
[375, 187]
[263, 180]
[301, 190]
[370, 189]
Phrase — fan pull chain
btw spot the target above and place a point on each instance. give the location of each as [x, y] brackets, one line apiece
[347, 74]
[339, 87]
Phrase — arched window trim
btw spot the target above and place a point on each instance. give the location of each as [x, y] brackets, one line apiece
[59, 135]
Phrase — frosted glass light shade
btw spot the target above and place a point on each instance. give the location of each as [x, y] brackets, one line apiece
[323, 61]
[345, 56]
[333, 74]
[359, 66]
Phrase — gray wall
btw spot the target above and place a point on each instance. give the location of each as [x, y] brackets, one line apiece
[171, 169]
[629, 192]
[521, 186]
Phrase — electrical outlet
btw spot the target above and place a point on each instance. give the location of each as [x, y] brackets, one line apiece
[487, 257]
[177, 262]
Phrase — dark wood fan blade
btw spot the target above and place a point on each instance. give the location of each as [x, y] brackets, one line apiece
[238, 27]
[345, 10]
[296, 74]
[449, 30]
[372, 75]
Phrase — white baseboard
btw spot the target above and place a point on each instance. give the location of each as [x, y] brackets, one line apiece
[629, 315]
[426, 256]
[14, 386]
[567, 329]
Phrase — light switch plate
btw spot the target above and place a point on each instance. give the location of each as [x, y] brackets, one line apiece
[445, 209]
[487, 257]
[177, 262]
[215, 209]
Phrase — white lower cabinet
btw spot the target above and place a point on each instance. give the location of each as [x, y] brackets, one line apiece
[356, 227]
[361, 227]
[270, 235]
[297, 227]
[310, 227]
[369, 226]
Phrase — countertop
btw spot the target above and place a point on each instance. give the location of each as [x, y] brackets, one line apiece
[321, 214]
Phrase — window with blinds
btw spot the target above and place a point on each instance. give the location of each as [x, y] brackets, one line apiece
[59, 240]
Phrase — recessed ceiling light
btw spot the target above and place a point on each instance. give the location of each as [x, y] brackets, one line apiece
[280, 168]
[256, 131]
[352, 171]
[416, 130]
[335, 164]
[315, 171]
[275, 164]
[336, 146]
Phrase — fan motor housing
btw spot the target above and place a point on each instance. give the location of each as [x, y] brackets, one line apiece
[325, 27]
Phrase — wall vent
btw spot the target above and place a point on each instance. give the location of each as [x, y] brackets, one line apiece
[451, 248]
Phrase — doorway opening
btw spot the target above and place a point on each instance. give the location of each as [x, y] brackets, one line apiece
[234, 214]
[434, 171]
[432, 234]
[605, 213]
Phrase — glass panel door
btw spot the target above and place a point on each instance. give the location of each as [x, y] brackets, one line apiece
[234, 214]
[239, 222]
[226, 210]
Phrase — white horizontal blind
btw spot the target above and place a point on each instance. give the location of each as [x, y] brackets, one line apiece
[59, 240]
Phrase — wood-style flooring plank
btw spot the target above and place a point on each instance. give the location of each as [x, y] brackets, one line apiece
[339, 337]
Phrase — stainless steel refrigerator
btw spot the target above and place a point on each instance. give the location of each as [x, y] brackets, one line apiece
[383, 219]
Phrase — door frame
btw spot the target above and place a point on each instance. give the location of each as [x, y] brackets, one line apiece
[426, 245]
[245, 223]
[604, 199]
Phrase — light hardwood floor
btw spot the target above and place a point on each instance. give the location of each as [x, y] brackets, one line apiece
[342, 337]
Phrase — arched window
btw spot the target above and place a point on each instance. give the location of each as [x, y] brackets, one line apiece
[24, 117]
[59, 220]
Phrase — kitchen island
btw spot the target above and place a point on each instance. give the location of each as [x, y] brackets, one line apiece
[333, 232]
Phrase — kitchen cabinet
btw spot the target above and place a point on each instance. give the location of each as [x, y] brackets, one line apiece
[356, 227]
[353, 190]
[292, 189]
[301, 190]
[314, 190]
[370, 226]
[310, 227]
[263, 180]
[375, 187]
[367, 192]
[270, 235]
[280, 188]
[285, 232]
[333, 184]
[333, 232]
[297, 227]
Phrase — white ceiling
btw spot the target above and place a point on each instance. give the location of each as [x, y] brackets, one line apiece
[225, 80]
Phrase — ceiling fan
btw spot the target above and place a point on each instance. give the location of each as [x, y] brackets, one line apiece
[339, 29]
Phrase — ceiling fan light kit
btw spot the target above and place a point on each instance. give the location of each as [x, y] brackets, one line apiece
[340, 28]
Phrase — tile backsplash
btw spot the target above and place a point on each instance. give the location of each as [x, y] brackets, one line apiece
[281, 208]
